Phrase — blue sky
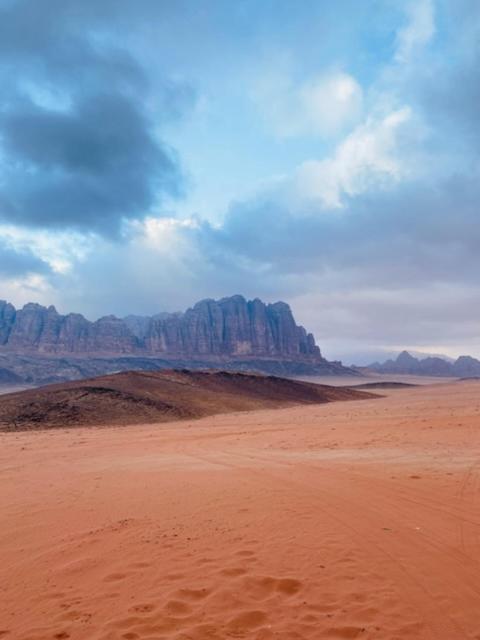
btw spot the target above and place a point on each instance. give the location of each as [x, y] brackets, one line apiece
[320, 152]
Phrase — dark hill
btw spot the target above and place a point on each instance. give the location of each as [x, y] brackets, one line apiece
[383, 385]
[150, 397]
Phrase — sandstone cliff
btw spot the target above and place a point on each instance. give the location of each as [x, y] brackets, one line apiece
[231, 327]
[39, 345]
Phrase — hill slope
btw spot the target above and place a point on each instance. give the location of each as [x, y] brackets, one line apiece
[141, 397]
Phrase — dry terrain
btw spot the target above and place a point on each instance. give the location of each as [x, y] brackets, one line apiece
[346, 520]
[135, 397]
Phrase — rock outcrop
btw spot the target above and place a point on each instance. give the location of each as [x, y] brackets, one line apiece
[40, 345]
[228, 327]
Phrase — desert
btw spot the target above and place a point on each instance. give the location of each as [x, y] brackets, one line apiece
[239, 320]
[353, 519]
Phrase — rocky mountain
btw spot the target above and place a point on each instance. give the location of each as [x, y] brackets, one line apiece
[231, 332]
[405, 363]
[9, 377]
[231, 326]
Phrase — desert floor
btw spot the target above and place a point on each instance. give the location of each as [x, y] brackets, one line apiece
[347, 520]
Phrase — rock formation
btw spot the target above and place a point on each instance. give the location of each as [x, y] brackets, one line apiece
[228, 327]
[405, 363]
[39, 344]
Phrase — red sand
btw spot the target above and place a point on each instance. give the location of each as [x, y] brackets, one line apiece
[347, 520]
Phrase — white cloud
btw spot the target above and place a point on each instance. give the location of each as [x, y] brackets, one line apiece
[30, 288]
[60, 250]
[418, 31]
[324, 105]
[331, 102]
[368, 156]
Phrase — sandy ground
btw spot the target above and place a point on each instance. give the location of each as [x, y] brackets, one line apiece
[348, 520]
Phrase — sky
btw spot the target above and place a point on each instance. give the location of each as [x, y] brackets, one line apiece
[322, 152]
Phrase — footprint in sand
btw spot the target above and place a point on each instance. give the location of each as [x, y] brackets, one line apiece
[346, 633]
[259, 588]
[233, 572]
[142, 608]
[245, 553]
[178, 608]
[192, 594]
[174, 576]
[141, 565]
[288, 586]
[114, 577]
[246, 621]
[263, 587]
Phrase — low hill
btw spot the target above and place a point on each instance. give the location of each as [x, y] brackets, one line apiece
[136, 397]
[384, 385]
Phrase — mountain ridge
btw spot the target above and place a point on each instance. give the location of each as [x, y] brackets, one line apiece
[40, 345]
[230, 326]
[405, 363]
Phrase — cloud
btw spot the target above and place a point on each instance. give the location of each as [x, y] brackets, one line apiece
[371, 231]
[79, 147]
[87, 168]
[418, 31]
[330, 102]
[161, 268]
[370, 240]
[368, 157]
[356, 325]
[323, 105]
[20, 262]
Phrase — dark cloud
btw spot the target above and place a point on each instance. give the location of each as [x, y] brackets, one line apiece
[86, 168]
[421, 231]
[17, 262]
[78, 103]
[77, 143]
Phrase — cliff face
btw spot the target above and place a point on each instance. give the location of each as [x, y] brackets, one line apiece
[232, 327]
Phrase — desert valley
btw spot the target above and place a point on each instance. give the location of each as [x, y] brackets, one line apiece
[206, 504]
[351, 519]
[239, 320]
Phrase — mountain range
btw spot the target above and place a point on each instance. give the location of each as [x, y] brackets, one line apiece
[39, 344]
[405, 363]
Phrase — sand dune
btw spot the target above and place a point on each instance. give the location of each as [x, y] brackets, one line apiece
[135, 397]
[335, 521]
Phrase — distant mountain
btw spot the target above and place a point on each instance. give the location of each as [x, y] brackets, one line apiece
[230, 333]
[405, 363]
[9, 377]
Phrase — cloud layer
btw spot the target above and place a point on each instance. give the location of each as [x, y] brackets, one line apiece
[78, 144]
[360, 129]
